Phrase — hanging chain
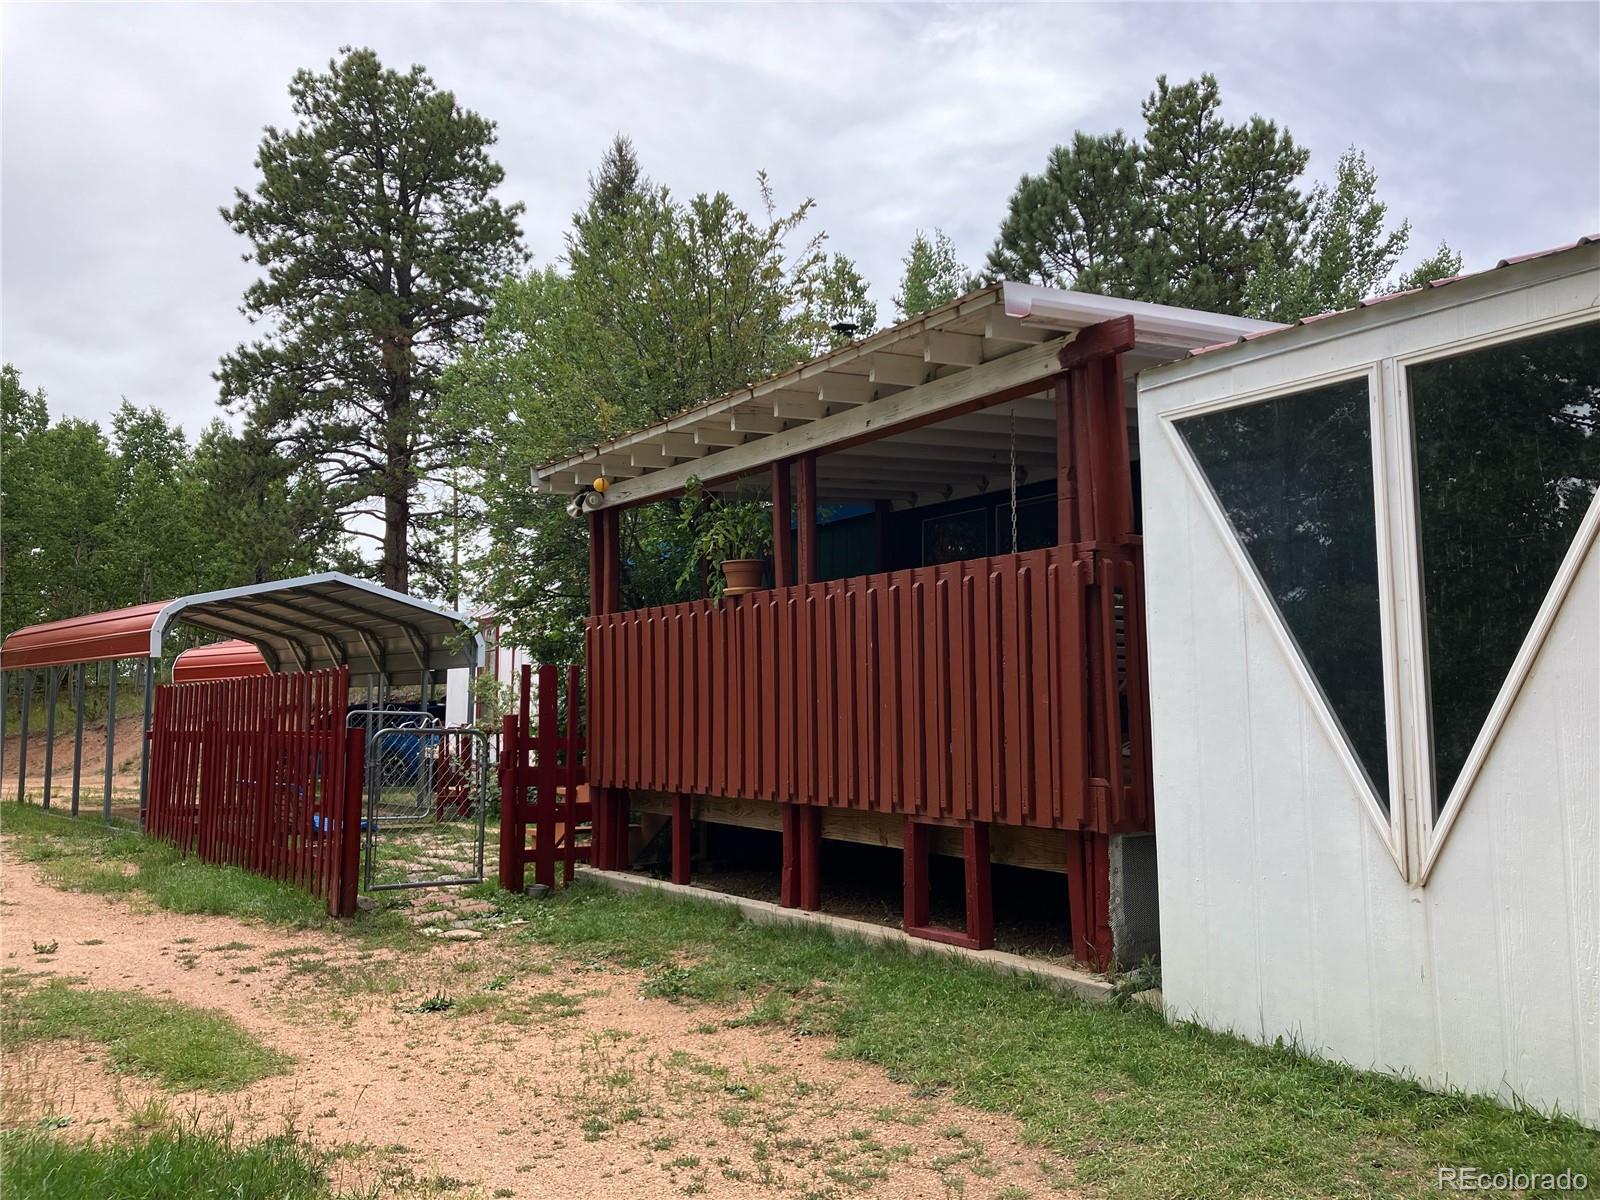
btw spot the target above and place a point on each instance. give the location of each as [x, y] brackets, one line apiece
[1013, 438]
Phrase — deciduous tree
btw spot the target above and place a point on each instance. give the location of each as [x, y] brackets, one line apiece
[933, 275]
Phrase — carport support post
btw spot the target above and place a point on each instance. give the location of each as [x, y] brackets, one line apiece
[79, 686]
[2, 725]
[22, 740]
[144, 740]
[111, 736]
[51, 686]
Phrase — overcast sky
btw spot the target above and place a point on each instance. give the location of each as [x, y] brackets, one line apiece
[124, 128]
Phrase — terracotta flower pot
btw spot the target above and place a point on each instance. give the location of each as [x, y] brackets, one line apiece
[741, 575]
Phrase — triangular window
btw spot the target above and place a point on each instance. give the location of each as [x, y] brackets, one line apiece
[1294, 476]
[1508, 460]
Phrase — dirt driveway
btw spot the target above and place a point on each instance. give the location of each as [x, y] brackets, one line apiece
[543, 1077]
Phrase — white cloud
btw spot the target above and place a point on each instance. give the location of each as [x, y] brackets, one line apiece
[124, 128]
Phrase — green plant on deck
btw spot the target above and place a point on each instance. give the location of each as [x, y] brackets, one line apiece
[719, 528]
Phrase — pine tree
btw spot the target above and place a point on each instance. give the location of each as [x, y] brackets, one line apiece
[1181, 217]
[375, 223]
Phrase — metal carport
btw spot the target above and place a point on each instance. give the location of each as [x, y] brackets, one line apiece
[304, 624]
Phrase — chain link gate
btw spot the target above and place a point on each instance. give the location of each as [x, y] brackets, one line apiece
[426, 801]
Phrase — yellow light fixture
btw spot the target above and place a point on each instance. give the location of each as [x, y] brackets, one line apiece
[601, 483]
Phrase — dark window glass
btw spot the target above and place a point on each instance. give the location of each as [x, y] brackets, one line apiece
[1508, 459]
[1036, 525]
[1294, 475]
[955, 537]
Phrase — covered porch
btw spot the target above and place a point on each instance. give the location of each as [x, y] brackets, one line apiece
[950, 655]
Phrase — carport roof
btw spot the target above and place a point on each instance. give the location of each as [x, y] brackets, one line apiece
[303, 624]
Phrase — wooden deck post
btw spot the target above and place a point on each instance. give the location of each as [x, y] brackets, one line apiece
[802, 823]
[1094, 497]
[918, 840]
[805, 519]
[682, 850]
[609, 823]
[783, 573]
[914, 877]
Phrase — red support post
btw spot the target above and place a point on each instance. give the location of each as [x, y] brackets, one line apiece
[682, 852]
[801, 884]
[1089, 896]
[805, 519]
[783, 567]
[980, 892]
[979, 933]
[914, 868]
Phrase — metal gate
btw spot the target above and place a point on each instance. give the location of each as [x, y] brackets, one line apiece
[425, 805]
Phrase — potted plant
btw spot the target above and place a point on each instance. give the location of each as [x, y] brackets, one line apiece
[736, 533]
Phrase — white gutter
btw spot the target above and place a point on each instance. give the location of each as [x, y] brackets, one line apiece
[1155, 325]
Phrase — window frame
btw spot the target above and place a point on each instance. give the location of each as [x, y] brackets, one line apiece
[1433, 827]
[1391, 826]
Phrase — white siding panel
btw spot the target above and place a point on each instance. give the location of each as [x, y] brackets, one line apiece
[1283, 913]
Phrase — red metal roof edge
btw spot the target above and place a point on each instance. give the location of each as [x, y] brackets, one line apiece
[1372, 301]
[231, 659]
[93, 637]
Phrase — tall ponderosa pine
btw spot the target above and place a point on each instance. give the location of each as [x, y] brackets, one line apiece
[1180, 217]
[375, 221]
[933, 275]
[1347, 253]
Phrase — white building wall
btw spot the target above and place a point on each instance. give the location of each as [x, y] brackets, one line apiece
[1283, 912]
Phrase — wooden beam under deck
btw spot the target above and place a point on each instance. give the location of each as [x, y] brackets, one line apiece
[1013, 845]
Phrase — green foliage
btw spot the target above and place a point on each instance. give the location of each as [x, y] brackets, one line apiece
[660, 304]
[175, 1161]
[91, 522]
[1346, 255]
[1180, 217]
[1443, 263]
[381, 242]
[717, 528]
[182, 1046]
[933, 275]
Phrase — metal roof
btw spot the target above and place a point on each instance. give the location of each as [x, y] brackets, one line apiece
[302, 624]
[1008, 332]
[232, 659]
[1373, 301]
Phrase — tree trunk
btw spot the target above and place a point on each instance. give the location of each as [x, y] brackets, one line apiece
[397, 475]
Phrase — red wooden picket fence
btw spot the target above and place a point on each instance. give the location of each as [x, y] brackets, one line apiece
[1006, 689]
[543, 773]
[261, 773]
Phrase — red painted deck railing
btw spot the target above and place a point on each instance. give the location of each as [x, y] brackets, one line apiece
[261, 773]
[1006, 689]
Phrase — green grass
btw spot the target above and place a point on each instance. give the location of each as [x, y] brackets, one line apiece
[173, 1162]
[85, 855]
[179, 1045]
[1141, 1107]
